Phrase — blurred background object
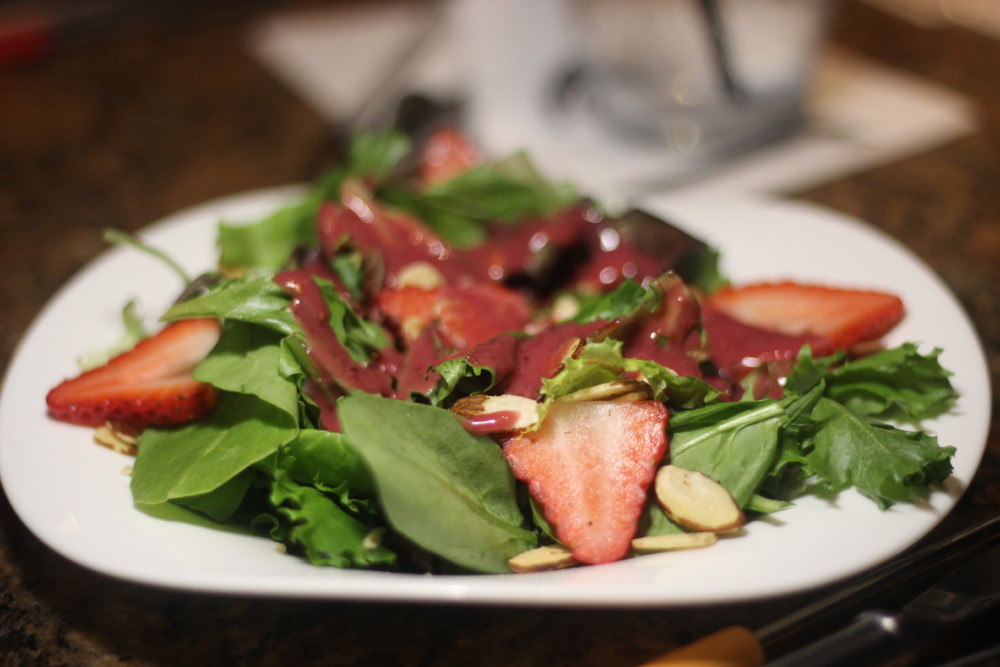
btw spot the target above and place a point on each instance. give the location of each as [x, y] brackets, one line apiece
[677, 85]
[31, 29]
[519, 76]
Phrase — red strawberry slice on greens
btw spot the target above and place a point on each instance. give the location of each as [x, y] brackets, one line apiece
[151, 384]
[589, 465]
[843, 317]
[447, 154]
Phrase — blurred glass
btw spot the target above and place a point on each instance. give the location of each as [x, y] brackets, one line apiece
[693, 81]
[700, 76]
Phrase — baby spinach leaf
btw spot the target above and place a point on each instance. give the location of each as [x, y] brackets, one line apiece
[374, 155]
[220, 503]
[359, 336]
[259, 300]
[253, 299]
[623, 299]
[197, 458]
[654, 521]
[443, 488]
[733, 443]
[463, 376]
[248, 360]
[265, 246]
[493, 193]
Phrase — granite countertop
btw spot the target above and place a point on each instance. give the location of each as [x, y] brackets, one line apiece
[124, 130]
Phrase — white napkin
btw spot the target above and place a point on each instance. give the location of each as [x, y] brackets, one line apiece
[861, 114]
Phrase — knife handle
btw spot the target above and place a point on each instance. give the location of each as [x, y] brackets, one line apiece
[734, 646]
[869, 635]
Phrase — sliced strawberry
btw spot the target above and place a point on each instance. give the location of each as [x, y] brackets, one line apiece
[446, 154]
[464, 316]
[589, 465]
[844, 317]
[474, 314]
[151, 384]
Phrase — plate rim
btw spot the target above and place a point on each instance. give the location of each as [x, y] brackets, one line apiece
[550, 590]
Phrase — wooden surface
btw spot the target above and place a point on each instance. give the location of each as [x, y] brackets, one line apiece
[124, 130]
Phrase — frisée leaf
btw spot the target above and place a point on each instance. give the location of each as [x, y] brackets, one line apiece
[885, 463]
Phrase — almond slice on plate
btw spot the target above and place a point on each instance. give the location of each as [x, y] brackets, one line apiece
[542, 559]
[673, 542]
[696, 502]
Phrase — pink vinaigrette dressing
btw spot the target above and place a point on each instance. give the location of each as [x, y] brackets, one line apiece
[493, 422]
[486, 305]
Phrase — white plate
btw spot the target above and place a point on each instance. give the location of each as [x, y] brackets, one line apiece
[74, 495]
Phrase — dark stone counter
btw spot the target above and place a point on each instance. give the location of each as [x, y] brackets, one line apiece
[122, 131]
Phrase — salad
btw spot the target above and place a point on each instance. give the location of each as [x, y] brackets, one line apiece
[432, 363]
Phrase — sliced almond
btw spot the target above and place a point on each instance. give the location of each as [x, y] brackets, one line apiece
[507, 411]
[639, 395]
[623, 390]
[564, 307]
[419, 274]
[673, 542]
[120, 440]
[542, 559]
[696, 501]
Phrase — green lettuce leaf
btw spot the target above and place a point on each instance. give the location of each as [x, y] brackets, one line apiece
[460, 376]
[252, 299]
[679, 391]
[325, 533]
[222, 502]
[596, 363]
[600, 362]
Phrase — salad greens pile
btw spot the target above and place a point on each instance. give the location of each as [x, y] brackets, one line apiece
[403, 486]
